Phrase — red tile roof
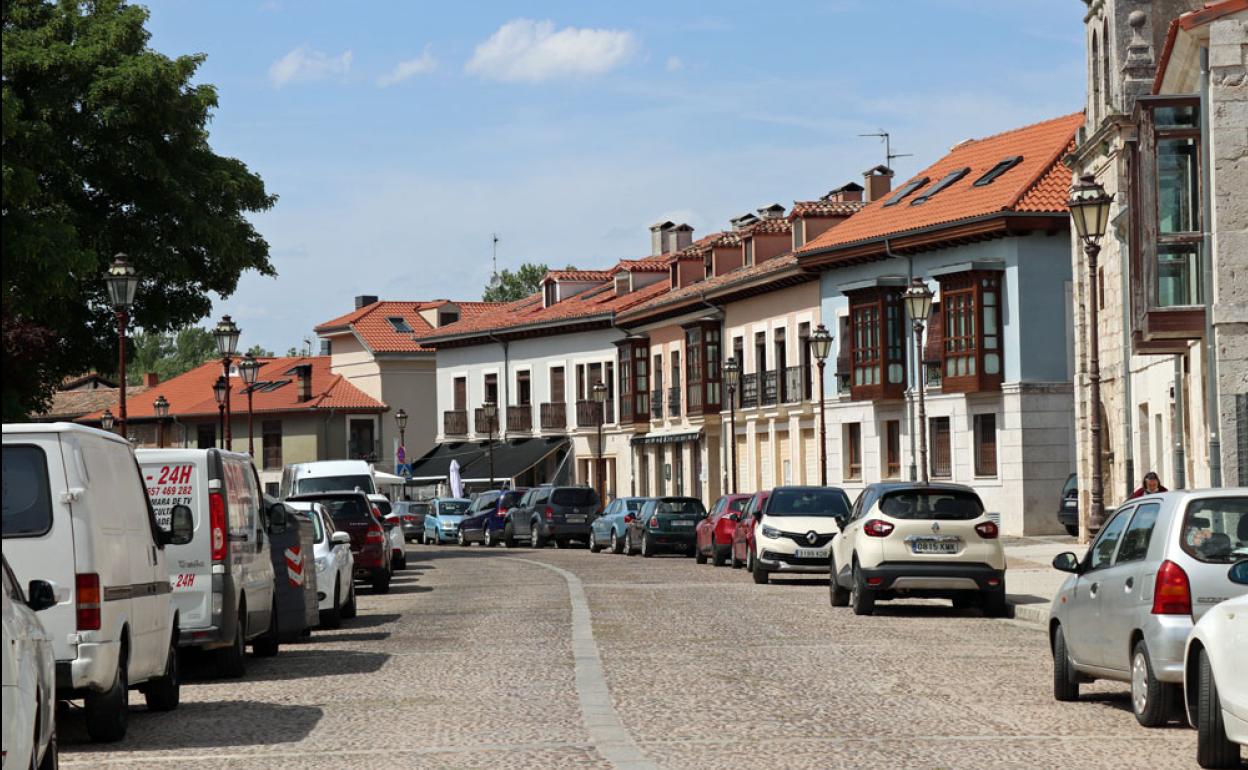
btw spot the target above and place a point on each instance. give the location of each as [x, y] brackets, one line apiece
[644, 265]
[577, 275]
[822, 208]
[72, 404]
[769, 226]
[760, 273]
[1039, 183]
[190, 394]
[371, 323]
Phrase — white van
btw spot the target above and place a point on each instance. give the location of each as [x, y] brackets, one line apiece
[223, 578]
[327, 476]
[76, 515]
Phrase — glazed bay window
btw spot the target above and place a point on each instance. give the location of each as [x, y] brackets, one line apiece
[625, 357]
[702, 367]
[877, 333]
[970, 329]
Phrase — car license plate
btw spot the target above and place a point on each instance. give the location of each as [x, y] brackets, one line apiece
[811, 553]
[574, 519]
[679, 523]
[934, 546]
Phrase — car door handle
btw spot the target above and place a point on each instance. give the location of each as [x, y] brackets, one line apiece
[1130, 583]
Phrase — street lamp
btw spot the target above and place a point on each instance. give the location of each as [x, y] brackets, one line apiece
[123, 283]
[107, 420]
[491, 411]
[220, 391]
[161, 405]
[249, 369]
[732, 371]
[1089, 210]
[918, 299]
[400, 419]
[821, 346]
[600, 397]
[226, 335]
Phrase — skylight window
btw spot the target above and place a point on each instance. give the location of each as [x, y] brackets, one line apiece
[949, 179]
[400, 324]
[991, 174]
[910, 187]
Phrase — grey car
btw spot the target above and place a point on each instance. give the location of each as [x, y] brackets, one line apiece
[1157, 565]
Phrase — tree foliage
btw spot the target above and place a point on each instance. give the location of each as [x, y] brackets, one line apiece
[518, 285]
[258, 351]
[168, 355]
[105, 150]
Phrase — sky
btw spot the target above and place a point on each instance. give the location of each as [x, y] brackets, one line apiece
[400, 136]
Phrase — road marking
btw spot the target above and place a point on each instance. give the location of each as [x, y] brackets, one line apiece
[606, 731]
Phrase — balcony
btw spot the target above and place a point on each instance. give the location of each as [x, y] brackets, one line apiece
[771, 388]
[693, 398]
[673, 401]
[587, 413]
[656, 405]
[520, 418]
[455, 423]
[795, 385]
[482, 424]
[554, 416]
[749, 391]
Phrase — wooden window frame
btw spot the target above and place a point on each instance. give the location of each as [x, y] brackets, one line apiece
[459, 393]
[966, 300]
[937, 471]
[270, 459]
[852, 461]
[986, 462]
[624, 370]
[891, 467]
[877, 339]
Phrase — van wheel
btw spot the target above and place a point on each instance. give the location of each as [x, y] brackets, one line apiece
[349, 609]
[266, 645]
[381, 582]
[108, 713]
[232, 660]
[1150, 699]
[162, 693]
[1212, 747]
[332, 617]
[861, 598]
[1065, 680]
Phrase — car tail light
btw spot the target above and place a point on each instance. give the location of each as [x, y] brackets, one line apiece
[409, 518]
[1172, 594]
[216, 524]
[375, 534]
[550, 512]
[502, 512]
[877, 528]
[654, 521]
[377, 512]
[987, 530]
[87, 593]
[628, 518]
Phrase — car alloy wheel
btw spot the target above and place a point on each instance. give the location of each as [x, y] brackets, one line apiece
[615, 542]
[1150, 698]
[628, 543]
[487, 539]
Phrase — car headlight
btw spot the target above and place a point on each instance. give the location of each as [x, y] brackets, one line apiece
[771, 532]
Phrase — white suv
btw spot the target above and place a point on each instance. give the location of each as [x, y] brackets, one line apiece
[1215, 675]
[334, 566]
[906, 540]
[793, 528]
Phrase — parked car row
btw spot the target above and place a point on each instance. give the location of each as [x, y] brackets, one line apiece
[116, 561]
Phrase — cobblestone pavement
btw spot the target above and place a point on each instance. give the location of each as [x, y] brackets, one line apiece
[479, 658]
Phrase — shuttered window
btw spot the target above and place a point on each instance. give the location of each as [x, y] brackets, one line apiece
[985, 445]
[940, 455]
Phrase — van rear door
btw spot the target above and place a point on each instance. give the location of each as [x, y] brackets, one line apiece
[172, 478]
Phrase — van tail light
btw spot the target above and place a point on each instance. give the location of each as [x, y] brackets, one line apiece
[88, 598]
[550, 513]
[654, 521]
[216, 524]
[375, 534]
[1172, 594]
[877, 528]
[987, 530]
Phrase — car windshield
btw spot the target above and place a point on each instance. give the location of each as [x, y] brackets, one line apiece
[27, 497]
[510, 499]
[806, 502]
[739, 505]
[452, 507]
[681, 505]
[383, 506]
[574, 496]
[334, 484]
[348, 508]
[1071, 487]
[416, 508]
[1215, 530]
[634, 504]
[944, 504]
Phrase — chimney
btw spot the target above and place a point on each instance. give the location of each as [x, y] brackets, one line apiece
[303, 372]
[151, 379]
[677, 237]
[878, 181]
[847, 193]
[364, 300]
[774, 211]
[743, 221]
[658, 237]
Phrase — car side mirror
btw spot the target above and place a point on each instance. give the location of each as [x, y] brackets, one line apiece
[40, 595]
[1239, 573]
[278, 519]
[841, 522]
[340, 538]
[181, 525]
[1066, 562]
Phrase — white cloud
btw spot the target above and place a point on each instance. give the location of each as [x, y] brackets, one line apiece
[674, 63]
[306, 64]
[533, 51]
[421, 65]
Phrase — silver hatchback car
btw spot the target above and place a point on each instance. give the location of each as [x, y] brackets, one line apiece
[1125, 612]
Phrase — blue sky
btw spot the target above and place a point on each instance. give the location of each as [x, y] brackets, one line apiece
[400, 135]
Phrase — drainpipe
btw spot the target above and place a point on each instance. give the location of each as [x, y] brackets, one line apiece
[1180, 462]
[912, 365]
[1206, 258]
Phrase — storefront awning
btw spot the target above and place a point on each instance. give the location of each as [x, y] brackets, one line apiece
[666, 438]
[511, 458]
[435, 465]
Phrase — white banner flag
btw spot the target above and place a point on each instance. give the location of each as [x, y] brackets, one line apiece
[456, 485]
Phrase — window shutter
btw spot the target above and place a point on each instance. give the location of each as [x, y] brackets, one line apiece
[935, 336]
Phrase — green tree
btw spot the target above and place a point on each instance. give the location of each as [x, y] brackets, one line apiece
[169, 355]
[259, 352]
[518, 285]
[105, 150]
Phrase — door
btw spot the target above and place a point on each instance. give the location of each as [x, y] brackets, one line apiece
[1123, 588]
[150, 592]
[1085, 629]
[843, 543]
[250, 559]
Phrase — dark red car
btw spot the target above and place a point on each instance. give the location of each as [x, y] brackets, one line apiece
[714, 533]
[743, 535]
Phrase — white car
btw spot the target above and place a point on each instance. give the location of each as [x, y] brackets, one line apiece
[328, 476]
[334, 566]
[29, 676]
[1215, 678]
[394, 530]
[793, 528]
[905, 540]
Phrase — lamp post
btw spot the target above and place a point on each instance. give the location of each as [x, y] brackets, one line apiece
[107, 420]
[161, 405]
[821, 346]
[219, 392]
[732, 371]
[123, 283]
[491, 411]
[918, 299]
[226, 335]
[400, 419]
[1089, 211]
[600, 397]
[249, 369]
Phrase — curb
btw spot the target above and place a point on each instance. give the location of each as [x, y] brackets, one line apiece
[1034, 614]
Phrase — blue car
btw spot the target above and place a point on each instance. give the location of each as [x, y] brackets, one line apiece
[485, 519]
[443, 518]
[607, 531]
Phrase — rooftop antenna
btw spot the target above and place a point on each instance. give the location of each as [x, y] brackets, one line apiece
[494, 279]
[888, 148]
